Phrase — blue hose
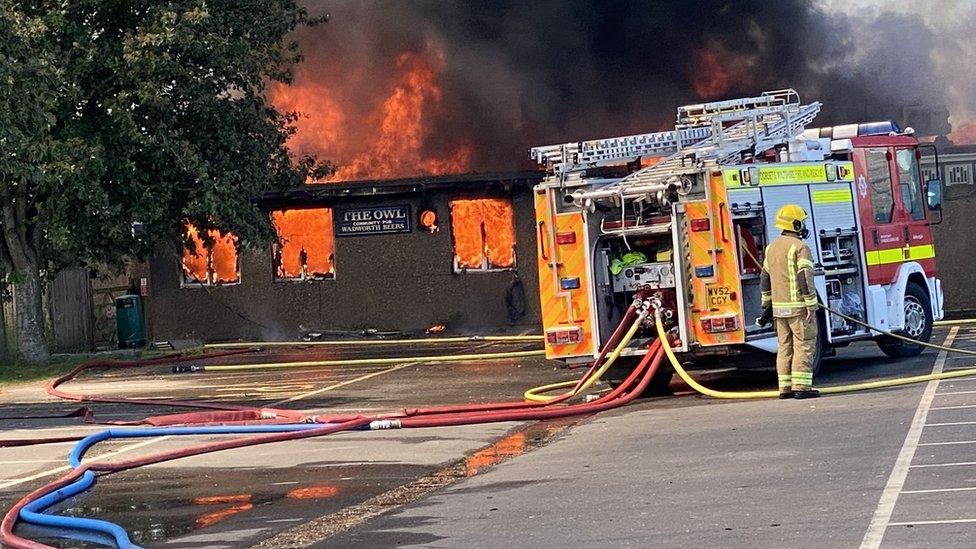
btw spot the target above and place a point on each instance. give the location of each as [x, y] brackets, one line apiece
[33, 512]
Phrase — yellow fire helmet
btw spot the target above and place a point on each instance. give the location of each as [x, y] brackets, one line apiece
[791, 218]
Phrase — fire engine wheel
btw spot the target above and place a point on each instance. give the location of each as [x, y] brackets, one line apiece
[660, 384]
[918, 324]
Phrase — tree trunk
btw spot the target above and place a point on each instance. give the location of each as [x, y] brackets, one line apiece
[31, 337]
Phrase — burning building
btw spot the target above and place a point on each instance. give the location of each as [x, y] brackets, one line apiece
[405, 97]
[394, 255]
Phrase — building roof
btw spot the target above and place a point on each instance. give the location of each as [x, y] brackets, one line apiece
[489, 181]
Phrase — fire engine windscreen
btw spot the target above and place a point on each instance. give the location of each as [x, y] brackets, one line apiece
[305, 247]
[213, 264]
[484, 233]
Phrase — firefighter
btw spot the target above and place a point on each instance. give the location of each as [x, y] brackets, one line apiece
[789, 299]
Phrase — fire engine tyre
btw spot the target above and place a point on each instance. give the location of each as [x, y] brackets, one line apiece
[660, 384]
[918, 324]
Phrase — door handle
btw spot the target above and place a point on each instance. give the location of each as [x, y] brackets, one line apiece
[542, 241]
[908, 236]
[874, 236]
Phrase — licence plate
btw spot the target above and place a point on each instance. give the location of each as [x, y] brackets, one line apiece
[719, 296]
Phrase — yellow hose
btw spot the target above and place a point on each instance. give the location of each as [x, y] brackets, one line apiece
[464, 339]
[374, 361]
[826, 390]
[533, 394]
[954, 322]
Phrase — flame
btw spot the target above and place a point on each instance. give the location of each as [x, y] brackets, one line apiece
[717, 70]
[304, 234]
[483, 228]
[222, 257]
[393, 139]
[964, 134]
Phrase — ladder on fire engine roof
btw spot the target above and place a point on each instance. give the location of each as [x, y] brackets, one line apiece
[720, 131]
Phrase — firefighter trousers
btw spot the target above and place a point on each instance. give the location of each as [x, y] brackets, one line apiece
[797, 340]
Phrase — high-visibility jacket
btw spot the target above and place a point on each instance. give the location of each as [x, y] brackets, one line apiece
[787, 277]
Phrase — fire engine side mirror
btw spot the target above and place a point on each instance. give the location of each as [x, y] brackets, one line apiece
[933, 194]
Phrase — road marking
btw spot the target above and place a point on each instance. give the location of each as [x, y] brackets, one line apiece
[954, 464]
[958, 393]
[950, 443]
[896, 481]
[343, 383]
[959, 407]
[42, 474]
[936, 490]
[951, 423]
[917, 522]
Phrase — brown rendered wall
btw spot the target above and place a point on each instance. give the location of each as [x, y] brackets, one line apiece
[955, 250]
[389, 282]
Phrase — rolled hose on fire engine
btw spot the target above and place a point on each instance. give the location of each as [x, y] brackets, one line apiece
[81, 477]
[676, 364]
[357, 342]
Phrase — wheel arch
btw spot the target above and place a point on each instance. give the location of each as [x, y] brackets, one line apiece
[909, 271]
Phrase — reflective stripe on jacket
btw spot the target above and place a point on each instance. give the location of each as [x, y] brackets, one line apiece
[787, 277]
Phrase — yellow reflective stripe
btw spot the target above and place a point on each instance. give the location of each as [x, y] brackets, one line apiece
[804, 262]
[897, 255]
[810, 301]
[788, 304]
[923, 251]
[791, 272]
[833, 196]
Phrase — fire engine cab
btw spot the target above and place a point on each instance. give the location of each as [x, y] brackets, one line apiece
[687, 214]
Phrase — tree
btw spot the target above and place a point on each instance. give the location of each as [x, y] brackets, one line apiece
[116, 113]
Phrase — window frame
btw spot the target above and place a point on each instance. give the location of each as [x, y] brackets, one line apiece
[485, 262]
[872, 184]
[276, 252]
[914, 186]
[187, 282]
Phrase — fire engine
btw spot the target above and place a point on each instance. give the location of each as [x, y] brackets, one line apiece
[687, 213]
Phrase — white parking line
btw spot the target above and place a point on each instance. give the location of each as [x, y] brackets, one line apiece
[959, 407]
[948, 443]
[954, 464]
[918, 522]
[950, 423]
[343, 383]
[958, 393]
[937, 490]
[42, 474]
[896, 481]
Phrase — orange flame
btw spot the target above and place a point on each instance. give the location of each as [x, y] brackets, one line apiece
[304, 234]
[393, 140]
[483, 228]
[717, 70]
[963, 134]
[222, 257]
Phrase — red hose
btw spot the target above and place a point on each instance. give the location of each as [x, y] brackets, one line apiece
[437, 416]
[645, 369]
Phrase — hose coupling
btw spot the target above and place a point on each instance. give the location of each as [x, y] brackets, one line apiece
[379, 424]
[187, 368]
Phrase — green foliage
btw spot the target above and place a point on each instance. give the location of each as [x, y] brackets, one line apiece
[114, 112]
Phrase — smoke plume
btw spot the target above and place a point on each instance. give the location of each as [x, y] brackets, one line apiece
[395, 88]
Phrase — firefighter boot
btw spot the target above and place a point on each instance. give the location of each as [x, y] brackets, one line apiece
[804, 393]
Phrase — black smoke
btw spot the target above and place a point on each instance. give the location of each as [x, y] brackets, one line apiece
[520, 73]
